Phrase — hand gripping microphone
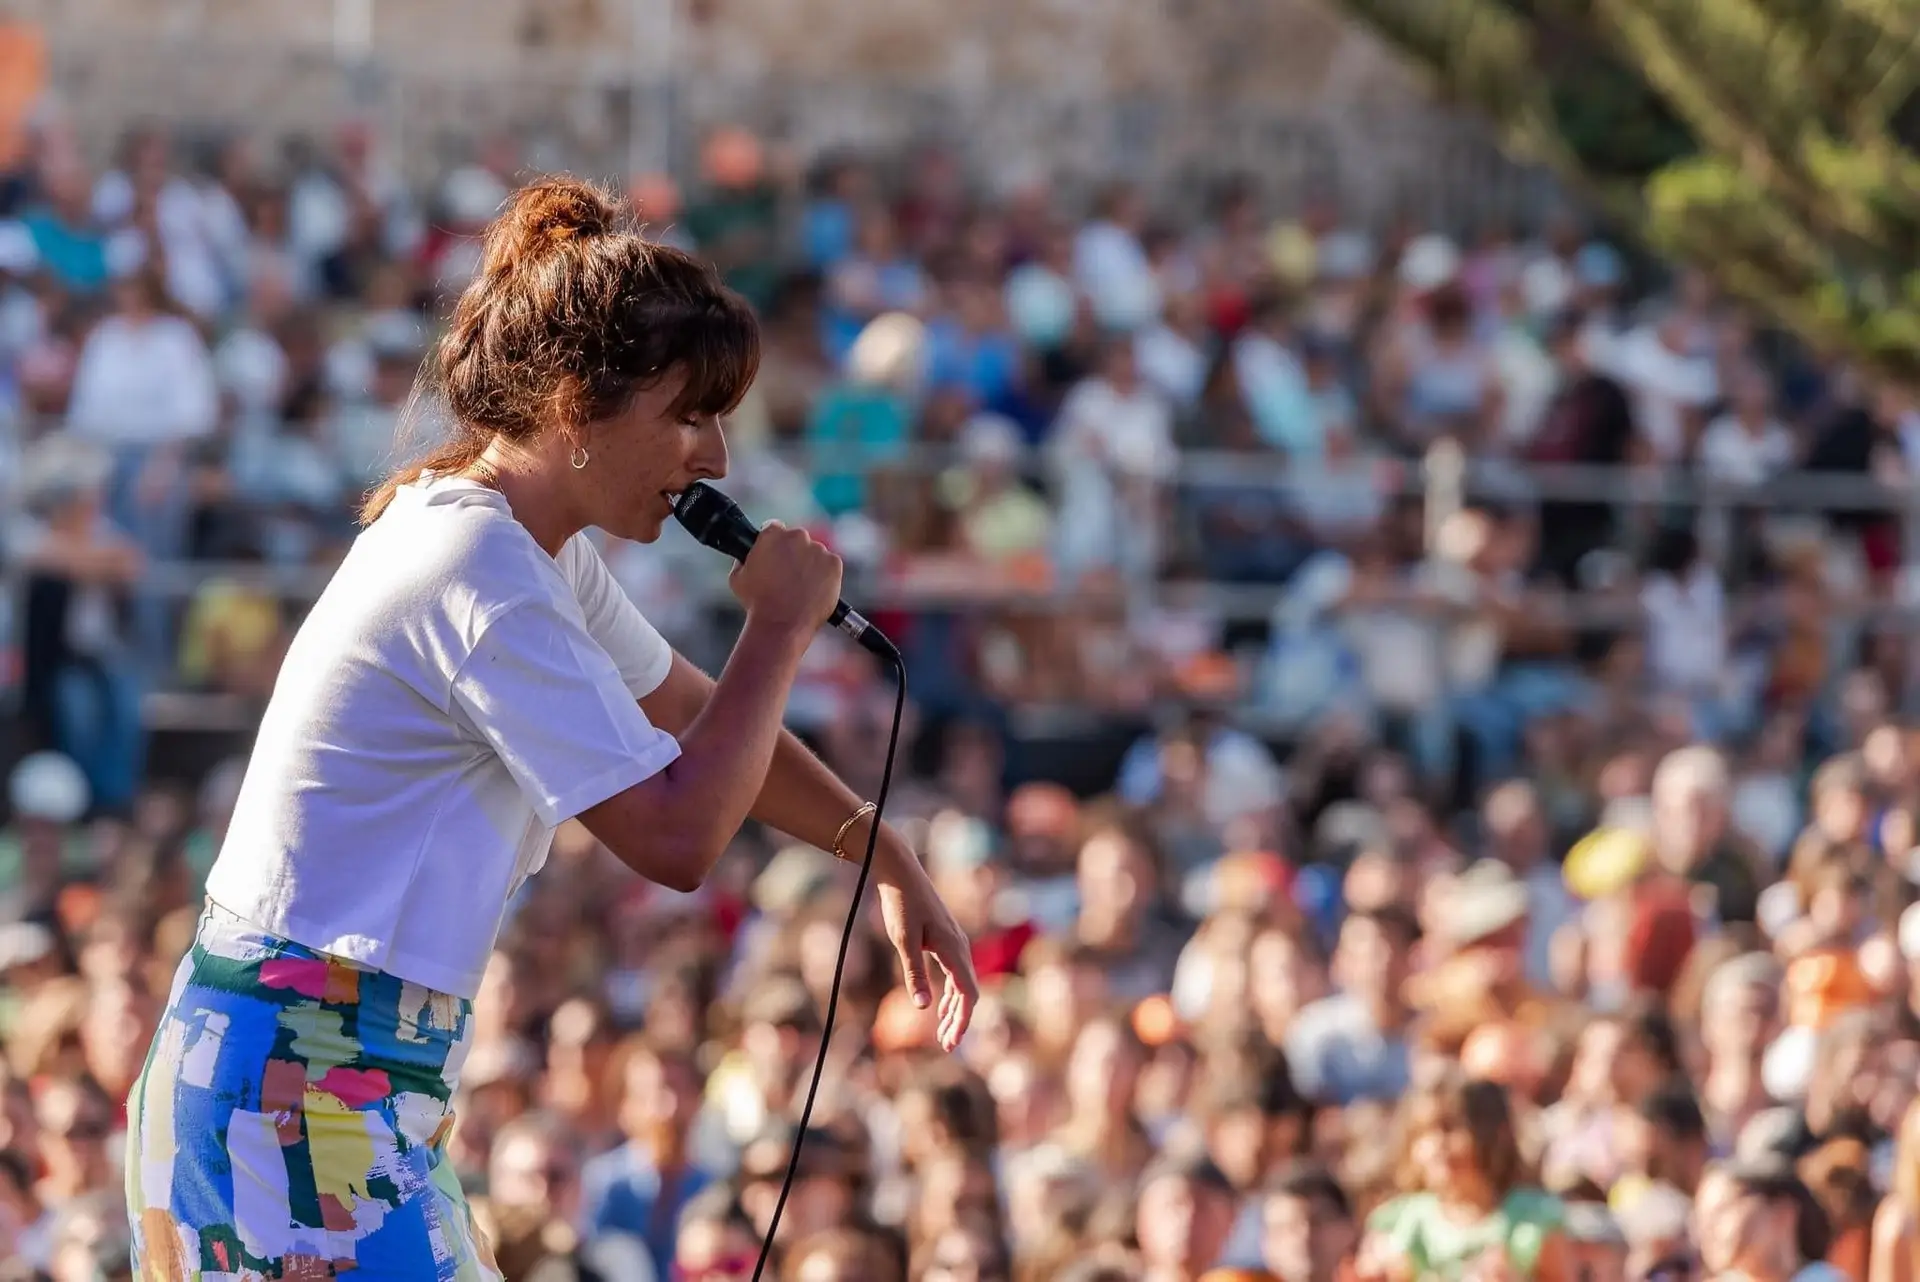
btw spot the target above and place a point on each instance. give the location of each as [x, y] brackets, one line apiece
[717, 521]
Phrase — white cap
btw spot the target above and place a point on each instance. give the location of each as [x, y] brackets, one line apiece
[49, 786]
[59, 466]
[1429, 262]
[23, 943]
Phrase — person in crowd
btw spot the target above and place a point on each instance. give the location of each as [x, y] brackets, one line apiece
[1474, 1206]
[641, 1188]
[1353, 1044]
[80, 686]
[1308, 1229]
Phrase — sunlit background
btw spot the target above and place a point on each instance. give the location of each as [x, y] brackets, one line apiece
[1324, 462]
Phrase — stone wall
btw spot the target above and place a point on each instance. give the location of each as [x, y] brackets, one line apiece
[1160, 89]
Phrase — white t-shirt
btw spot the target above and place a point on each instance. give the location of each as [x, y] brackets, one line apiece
[1664, 384]
[1686, 630]
[1731, 452]
[145, 382]
[1112, 270]
[454, 696]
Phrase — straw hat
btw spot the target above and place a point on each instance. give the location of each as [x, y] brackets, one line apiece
[1606, 861]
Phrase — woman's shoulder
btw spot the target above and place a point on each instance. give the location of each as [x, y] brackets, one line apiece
[456, 544]
[1403, 1214]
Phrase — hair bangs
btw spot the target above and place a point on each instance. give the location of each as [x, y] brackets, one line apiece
[718, 351]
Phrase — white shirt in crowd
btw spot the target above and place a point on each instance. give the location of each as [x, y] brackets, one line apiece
[1686, 630]
[251, 367]
[455, 695]
[1131, 432]
[1174, 364]
[145, 382]
[1528, 378]
[183, 219]
[1664, 383]
[1734, 453]
[1114, 273]
[1107, 442]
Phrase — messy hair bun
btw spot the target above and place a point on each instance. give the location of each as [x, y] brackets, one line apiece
[546, 214]
[571, 313]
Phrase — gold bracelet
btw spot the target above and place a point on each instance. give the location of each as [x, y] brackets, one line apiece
[840, 838]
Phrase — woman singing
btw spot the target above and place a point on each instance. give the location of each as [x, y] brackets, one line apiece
[470, 679]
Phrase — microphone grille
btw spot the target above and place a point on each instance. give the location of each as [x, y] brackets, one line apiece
[695, 507]
[707, 515]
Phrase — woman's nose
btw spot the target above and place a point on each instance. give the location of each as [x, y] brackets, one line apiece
[711, 461]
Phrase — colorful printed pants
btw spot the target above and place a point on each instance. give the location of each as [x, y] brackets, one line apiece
[292, 1119]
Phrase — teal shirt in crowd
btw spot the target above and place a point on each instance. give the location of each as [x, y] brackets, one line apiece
[854, 428]
[1439, 1247]
[76, 257]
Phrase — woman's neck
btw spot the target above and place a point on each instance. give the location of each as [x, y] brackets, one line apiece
[1472, 1200]
[537, 500]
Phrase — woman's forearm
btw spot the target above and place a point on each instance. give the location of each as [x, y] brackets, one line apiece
[673, 827]
[799, 796]
[804, 799]
[736, 734]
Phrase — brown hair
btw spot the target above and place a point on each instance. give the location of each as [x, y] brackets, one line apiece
[571, 312]
[1483, 1110]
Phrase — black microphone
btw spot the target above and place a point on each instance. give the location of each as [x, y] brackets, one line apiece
[717, 521]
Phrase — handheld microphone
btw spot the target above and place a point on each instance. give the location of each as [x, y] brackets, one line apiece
[717, 521]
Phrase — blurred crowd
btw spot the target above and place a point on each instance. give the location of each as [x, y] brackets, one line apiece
[1555, 924]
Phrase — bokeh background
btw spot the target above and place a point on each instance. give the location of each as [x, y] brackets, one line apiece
[1399, 517]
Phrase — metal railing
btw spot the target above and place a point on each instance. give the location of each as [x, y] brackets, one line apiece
[1437, 481]
[1198, 472]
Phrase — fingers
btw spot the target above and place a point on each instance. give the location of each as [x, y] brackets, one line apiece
[913, 968]
[952, 951]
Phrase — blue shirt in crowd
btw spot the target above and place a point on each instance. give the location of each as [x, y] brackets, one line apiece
[625, 1193]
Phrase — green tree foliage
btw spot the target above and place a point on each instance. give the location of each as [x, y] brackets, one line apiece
[1771, 142]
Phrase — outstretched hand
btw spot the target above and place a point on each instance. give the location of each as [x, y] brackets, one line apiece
[919, 926]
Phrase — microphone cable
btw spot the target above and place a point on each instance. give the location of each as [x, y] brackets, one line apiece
[840, 964]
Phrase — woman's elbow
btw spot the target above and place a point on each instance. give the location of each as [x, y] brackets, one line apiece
[684, 872]
[679, 863]
[665, 847]
[681, 883]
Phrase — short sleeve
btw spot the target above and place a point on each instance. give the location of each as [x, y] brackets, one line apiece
[637, 649]
[551, 703]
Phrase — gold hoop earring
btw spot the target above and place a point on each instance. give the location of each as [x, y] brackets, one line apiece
[578, 458]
